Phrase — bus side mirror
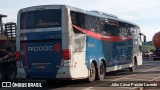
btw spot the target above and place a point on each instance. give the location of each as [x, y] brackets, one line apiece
[144, 37]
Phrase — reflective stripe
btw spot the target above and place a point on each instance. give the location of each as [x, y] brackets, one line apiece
[101, 37]
[41, 30]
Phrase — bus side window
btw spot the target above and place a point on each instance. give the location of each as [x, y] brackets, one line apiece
[126, 29]
[73, 17]
[106, 30]
[122, 29]
[103, 27]
[78, 20]
[129, 30]
[110, 28]
[91, 23]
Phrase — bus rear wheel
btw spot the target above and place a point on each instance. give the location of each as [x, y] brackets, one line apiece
[101, 71]
[92, 73]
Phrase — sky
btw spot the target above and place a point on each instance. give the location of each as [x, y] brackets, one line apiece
[145, 13]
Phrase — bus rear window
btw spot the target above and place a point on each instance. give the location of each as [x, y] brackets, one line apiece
[41, 19]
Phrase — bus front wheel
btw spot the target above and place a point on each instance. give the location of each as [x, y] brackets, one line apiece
[132, 69]
[92, 73]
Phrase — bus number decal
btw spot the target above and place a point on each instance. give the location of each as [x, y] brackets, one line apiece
[91, 45]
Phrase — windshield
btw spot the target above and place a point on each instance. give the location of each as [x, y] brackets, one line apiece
[40, 19]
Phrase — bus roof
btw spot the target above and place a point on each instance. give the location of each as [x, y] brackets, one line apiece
[93, 12]
[100, 14]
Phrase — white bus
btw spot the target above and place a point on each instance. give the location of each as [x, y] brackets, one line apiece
[64, 42]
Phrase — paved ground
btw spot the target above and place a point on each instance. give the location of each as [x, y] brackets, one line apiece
[148, 74]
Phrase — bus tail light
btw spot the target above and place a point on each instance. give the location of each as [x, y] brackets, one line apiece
[18, 55]
[66, 54]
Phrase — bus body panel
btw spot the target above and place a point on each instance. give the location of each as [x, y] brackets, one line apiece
[97, 49]
[44, 56]
[138, 47]
[79, 56]
[45, 47]
[44, 51]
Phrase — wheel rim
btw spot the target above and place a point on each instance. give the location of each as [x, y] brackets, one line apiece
[92, 71]
[101, 69]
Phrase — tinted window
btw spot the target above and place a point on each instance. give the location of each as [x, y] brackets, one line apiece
[103, 26]
[110, 28]
[125, 29]
[40, 19]
[78, 20]
[92, 23]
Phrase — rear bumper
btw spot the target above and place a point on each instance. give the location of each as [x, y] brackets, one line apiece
[41, 74]
[61, 73]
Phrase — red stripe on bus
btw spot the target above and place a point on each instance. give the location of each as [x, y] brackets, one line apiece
[24, 44]
[101, 37]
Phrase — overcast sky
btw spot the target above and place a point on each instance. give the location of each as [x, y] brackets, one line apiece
[145, 13]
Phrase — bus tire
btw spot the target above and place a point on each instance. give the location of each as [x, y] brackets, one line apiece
[101, 71]
[132, 69]
[11, 72]
[2, 73]
[92, 73]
